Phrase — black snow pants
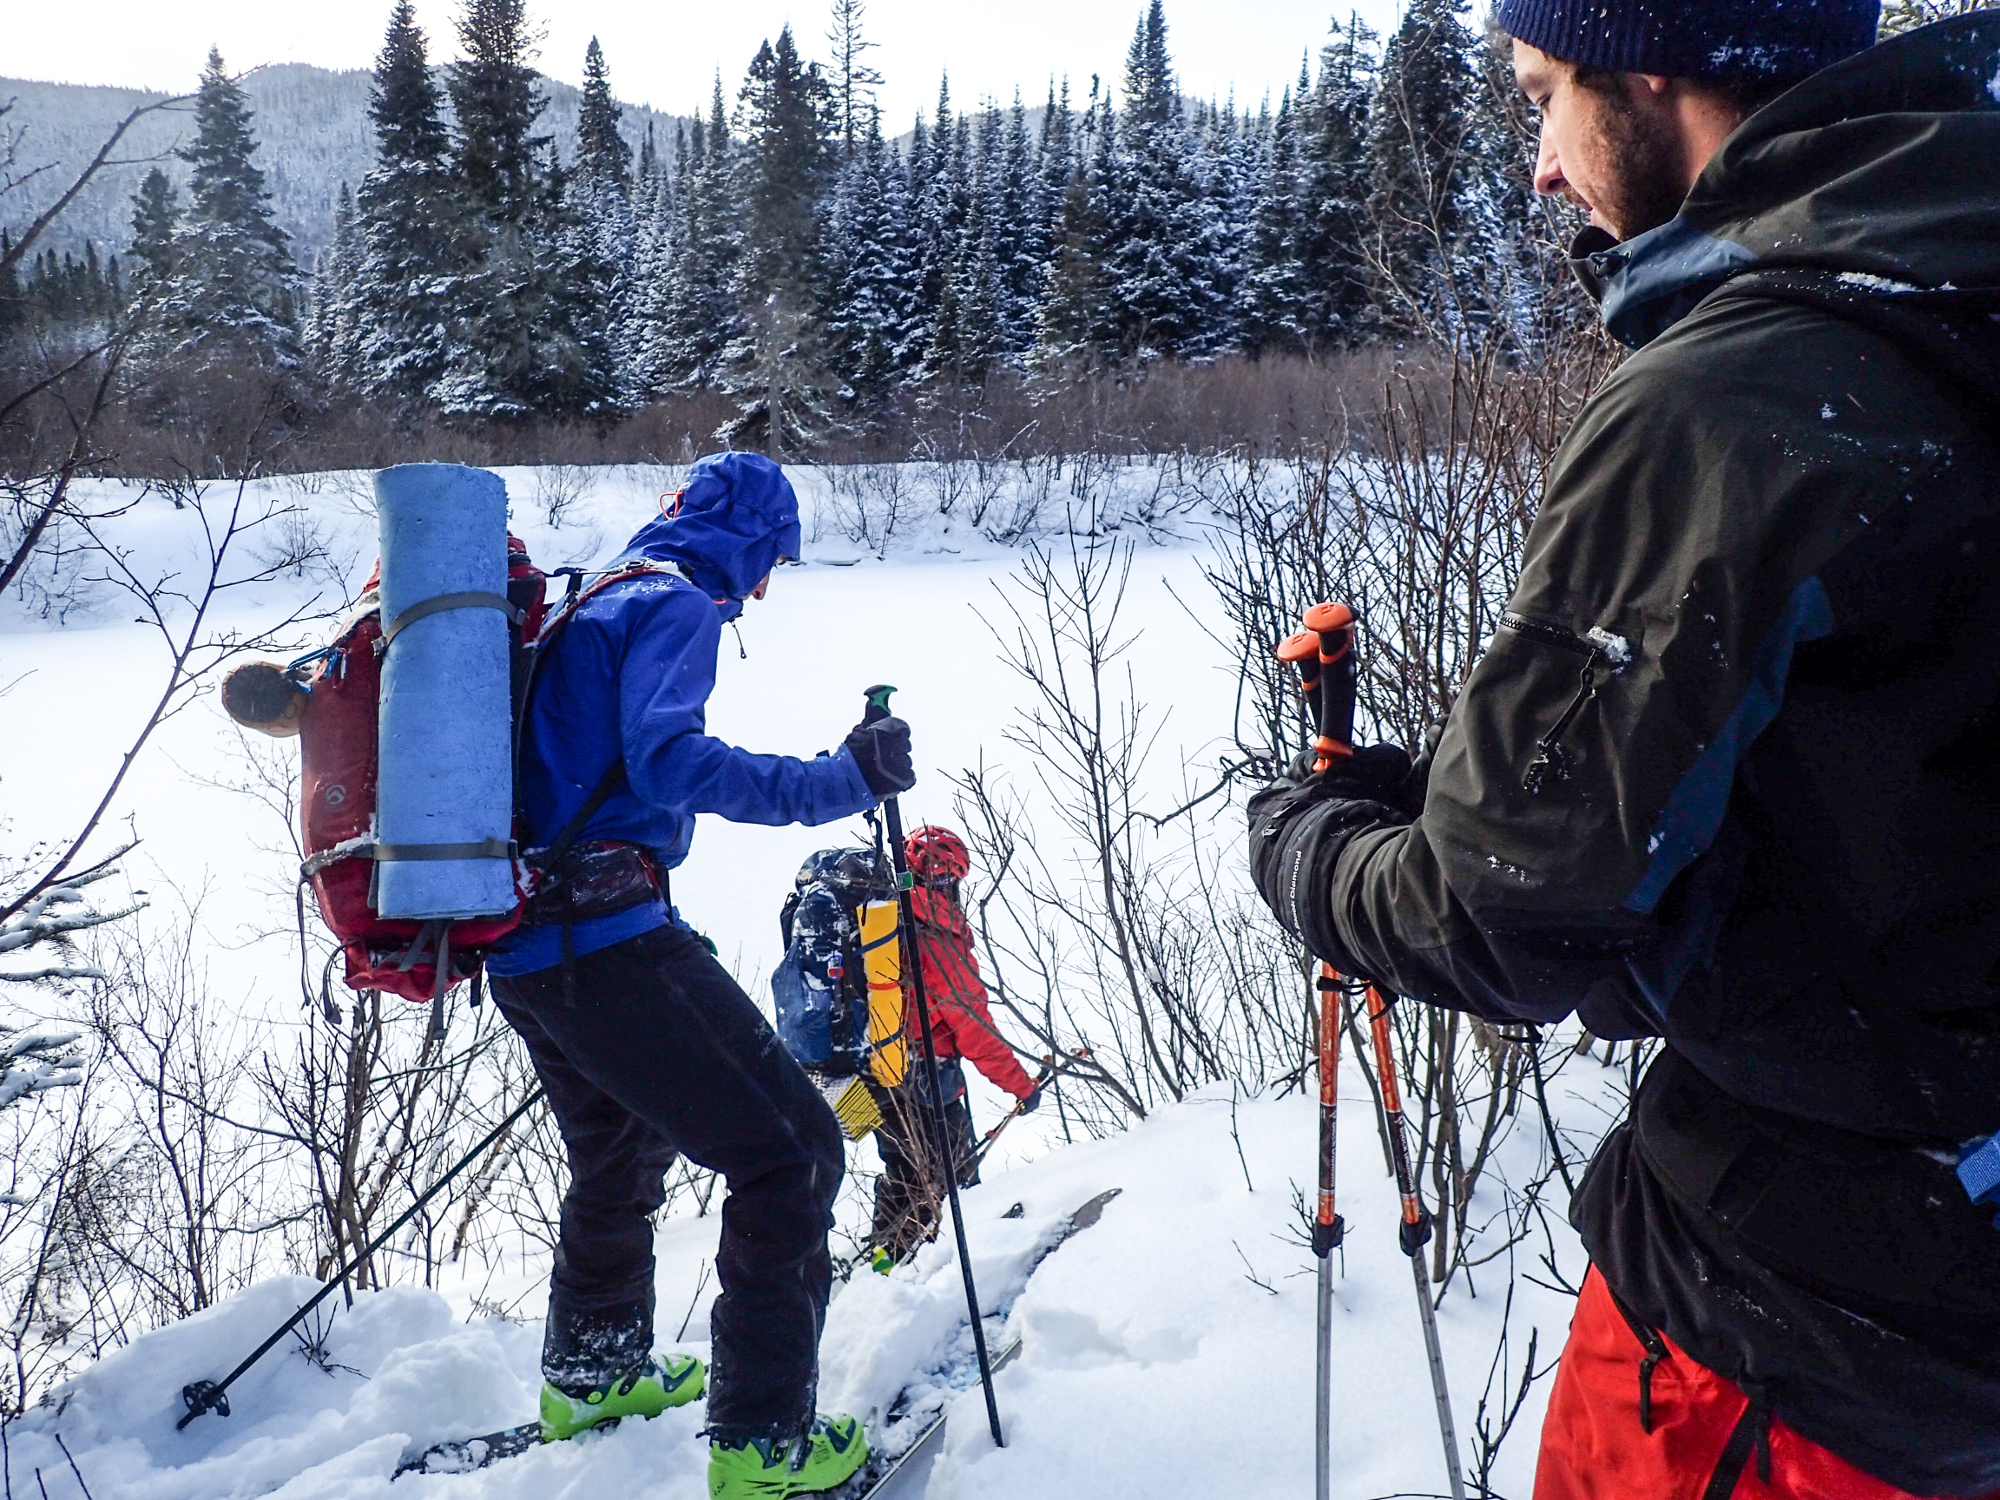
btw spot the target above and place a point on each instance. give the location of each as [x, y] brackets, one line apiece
[661, 1053]
[910, 1192]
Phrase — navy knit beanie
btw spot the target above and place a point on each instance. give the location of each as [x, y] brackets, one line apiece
[1714, 39]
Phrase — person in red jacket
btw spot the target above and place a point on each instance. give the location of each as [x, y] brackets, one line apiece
[910, 1188]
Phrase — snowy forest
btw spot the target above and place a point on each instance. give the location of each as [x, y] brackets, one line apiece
[788, 272]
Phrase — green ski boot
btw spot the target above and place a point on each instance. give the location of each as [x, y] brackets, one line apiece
[759, 1469]
[664, 1380]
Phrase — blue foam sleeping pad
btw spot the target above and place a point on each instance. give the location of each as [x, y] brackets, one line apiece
[446, 783]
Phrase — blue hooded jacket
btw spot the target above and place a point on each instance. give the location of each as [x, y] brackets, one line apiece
[630, 675]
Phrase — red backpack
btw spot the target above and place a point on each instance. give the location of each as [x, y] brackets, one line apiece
[337, 805]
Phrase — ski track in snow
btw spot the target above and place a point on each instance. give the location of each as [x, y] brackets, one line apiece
[1153, 1365]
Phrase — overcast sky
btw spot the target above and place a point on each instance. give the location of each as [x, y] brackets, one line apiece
[665, 52]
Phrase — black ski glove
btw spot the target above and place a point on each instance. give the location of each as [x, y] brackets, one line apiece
[1300, 825]
[1028, 1102]
[882, 751]
[1380, 773]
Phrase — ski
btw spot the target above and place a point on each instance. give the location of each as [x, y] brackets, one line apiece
[878, 1479]
[463, 1455]
[904, 1476]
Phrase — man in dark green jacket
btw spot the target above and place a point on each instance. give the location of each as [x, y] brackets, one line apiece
[1729, 772]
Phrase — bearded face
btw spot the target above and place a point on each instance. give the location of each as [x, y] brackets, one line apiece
[1611, 143]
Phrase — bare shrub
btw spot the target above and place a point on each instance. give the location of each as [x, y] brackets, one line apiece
[558, 488]
[1115, 936]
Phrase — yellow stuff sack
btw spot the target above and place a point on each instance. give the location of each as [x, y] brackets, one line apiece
[882, 959]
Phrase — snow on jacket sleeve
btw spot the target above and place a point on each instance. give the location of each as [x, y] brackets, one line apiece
[960, 1020]
[665, 675]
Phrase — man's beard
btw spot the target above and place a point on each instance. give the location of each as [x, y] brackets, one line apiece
[1645, 185]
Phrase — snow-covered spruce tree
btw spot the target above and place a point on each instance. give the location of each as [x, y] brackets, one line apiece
[230, 300]
[1334, 264]
[603, 158]
[787, 162]
[1073, 324]
[406, 212]
[869, 271]
[1272, 295]
[1425, 170]
[1223, 161]
[655, 247]
[938, 205]
[1055, 160]
[605, 227]
[1020, 226]
[969, 336]
[689, 316]
[155, 210]
[1163, 243]
[528, 335]
[335, 319]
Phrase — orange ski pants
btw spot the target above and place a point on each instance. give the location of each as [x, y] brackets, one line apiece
[1633, 1421]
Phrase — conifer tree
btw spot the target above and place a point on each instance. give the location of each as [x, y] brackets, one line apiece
[155, 210]
[938, 202]
[692, 316]
[1423, 163]
[406, 215]
[603, 159]
[601, 204]
[649, 157]
[1055, 160]
[494, 96]
[787, 163]
[530, 335]
[232, 292]
[1075, 320]
[1272, 296]
[1334, 236]
[1163, 247]
[854, 81]
[1020, 229]
[869, 272]
[334, 322]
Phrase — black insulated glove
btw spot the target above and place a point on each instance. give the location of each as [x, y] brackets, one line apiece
[1298, 828]
[882, 751]
[1379, 773]
[1027, 1103]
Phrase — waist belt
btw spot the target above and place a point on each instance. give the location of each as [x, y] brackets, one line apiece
[591, 880]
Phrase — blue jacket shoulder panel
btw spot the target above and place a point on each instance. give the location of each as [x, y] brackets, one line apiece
[630, 677]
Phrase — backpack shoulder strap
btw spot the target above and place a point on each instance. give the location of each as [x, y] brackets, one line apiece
[574, 599]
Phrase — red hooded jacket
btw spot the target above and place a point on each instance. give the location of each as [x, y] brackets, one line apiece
[961, 1024]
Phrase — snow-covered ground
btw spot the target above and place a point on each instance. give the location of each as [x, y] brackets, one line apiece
[1168, 1351]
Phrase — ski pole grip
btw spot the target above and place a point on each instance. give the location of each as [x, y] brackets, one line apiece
[1333, 625]
[1301, 650]
[878, 703]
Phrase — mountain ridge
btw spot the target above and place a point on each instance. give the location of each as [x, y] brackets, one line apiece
[312, 131]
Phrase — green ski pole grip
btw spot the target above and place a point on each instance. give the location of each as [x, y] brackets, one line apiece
[878, 702]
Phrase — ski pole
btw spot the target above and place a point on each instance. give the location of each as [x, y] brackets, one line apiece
[212, 1395]
[1415, 1229]
[878, 708]
[1323, 653]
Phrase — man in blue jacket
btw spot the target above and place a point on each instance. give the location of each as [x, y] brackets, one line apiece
[646, 1045]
